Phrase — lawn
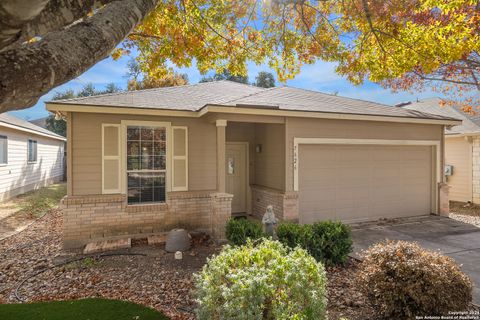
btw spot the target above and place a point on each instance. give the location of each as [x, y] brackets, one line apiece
[85, 309]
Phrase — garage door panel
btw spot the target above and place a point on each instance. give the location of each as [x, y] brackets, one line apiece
[363, 182]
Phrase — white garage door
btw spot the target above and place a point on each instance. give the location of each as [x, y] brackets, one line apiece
[361, 182]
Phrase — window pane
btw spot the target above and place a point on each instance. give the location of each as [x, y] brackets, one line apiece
[3, 149]
[133, 148]
[147, 163]
[147, 148]
[133, 163]
[159, 163]
[134, 195]
[160, 134]
[159, 148]
[133, 133]
[146, 133]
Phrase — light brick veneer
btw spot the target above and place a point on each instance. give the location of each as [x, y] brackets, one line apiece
[476, 169]
[285, 204]
[97, 217]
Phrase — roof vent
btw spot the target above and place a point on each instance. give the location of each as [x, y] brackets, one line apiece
[403, 104]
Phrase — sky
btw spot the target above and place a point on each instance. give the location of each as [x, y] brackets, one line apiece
[320, 76]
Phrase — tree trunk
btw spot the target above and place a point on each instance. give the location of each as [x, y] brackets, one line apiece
[30, 71]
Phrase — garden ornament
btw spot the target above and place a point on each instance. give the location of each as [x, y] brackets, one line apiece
[269, 221]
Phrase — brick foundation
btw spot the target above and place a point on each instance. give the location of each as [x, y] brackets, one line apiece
[285, 204]
[97, 217]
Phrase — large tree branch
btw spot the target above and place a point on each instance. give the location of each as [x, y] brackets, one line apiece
[30, 71]
[54, 16]
[14, 14]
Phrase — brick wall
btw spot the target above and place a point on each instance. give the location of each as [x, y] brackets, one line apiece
[285, 204]
[90, 218]
[476, 169]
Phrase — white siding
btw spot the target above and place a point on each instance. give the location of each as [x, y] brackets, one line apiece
[18, 176]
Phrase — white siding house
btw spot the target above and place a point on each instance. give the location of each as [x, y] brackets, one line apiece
[30, 156]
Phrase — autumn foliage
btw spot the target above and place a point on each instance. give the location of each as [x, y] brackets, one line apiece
[403, 44]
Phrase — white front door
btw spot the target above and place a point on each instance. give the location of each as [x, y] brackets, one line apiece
[236, 175]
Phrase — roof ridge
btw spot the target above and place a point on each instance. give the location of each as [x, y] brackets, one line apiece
[334, 95]
[251, 94]
[123, 92]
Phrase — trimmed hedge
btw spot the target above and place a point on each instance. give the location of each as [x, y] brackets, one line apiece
[327, 241]
[403, 280]
[239, 230]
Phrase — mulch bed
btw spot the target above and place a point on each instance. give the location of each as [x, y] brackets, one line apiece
[146, 275]
[462, 208]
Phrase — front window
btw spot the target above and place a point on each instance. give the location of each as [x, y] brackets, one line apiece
[32, 150]
[146, 164]
[3, 150]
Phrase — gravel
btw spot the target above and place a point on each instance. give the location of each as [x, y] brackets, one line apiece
[475, 220]
[151, 277]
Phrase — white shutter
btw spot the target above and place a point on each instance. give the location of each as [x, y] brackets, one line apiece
[180, 159]
[110, 158]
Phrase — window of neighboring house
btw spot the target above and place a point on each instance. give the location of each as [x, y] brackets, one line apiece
[32, 150]
[146, 164]
[3, 150]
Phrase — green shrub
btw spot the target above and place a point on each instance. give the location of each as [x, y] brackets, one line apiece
[403, 280]
[327, 241]
[239, 230]
[263, 281]
[293, 234]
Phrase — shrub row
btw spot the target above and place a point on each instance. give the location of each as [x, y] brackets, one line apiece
[329, 242]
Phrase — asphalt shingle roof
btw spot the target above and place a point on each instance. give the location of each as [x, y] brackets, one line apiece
[228, 93]
[11, 120]
[470, 123]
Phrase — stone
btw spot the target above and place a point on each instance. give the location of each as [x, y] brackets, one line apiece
[108, 245]
[177, 240]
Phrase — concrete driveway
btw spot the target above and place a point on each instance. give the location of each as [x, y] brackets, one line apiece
[459, 240]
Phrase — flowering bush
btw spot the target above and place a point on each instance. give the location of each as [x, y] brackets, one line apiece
[262, 281]
[402, 280]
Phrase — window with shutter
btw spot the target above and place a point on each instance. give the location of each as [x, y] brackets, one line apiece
[180, 159]
[110, 158]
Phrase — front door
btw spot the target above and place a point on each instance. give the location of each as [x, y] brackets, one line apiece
[236, 175]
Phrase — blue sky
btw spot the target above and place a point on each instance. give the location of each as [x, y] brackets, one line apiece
[320, 76]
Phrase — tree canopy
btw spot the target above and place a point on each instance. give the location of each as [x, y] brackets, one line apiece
[402, 44]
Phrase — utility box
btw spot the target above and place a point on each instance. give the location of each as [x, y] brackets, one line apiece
[448, 170]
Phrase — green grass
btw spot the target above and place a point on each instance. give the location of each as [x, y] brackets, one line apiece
[38, 202]
[85, 309]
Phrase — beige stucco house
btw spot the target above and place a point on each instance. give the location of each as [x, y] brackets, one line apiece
[462, 149]
[145, 161]
[30, 156]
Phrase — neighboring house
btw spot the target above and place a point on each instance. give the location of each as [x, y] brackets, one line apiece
[30, 156]
[41, 122]
[462, 149]
[143, 162]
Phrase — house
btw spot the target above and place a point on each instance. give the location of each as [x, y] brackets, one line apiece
[462, 149]
[30, 156]
[143, 162]
[41, 122]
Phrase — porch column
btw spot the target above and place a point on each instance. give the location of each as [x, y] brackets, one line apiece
[221, 125]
